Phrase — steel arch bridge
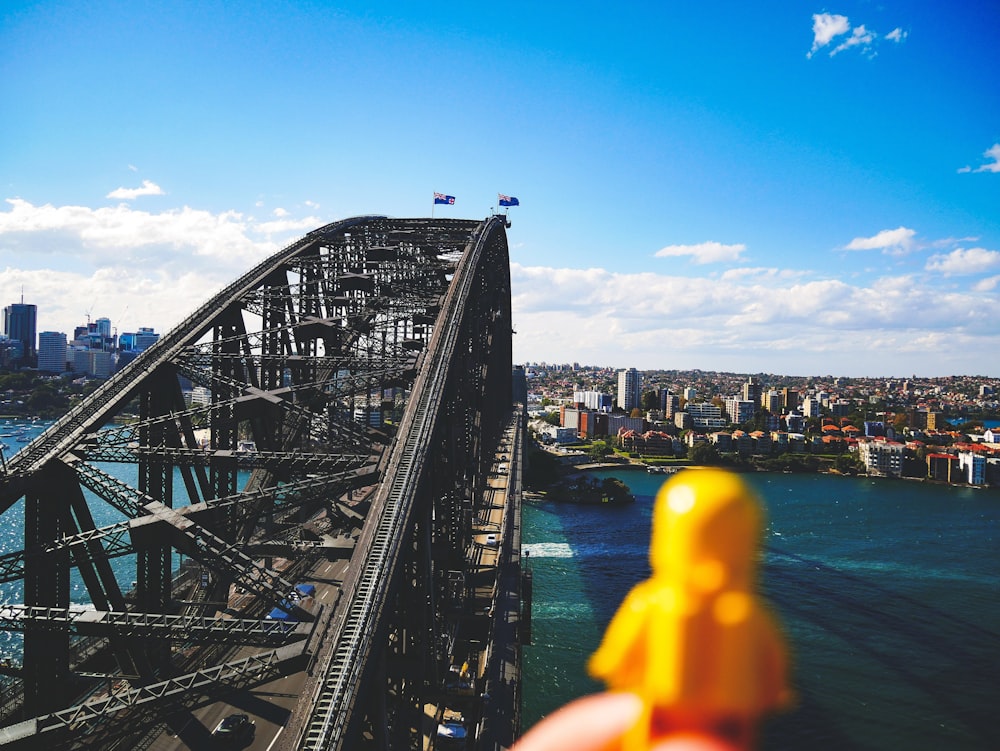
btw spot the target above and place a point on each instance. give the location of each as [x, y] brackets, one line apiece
[355, 386]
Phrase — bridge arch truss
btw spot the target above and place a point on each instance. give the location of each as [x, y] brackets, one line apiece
[347, 395]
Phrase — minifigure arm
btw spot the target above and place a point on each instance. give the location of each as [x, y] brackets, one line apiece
[627, 626]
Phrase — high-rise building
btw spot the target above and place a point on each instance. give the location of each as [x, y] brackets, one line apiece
[669, 403]
[99, 364]
[772, 402]
[19, 324]
[740, 410]
[11, 352]
[593, 400]
[811, 407]
[752, 390]
[138, 341]
[52, 351]
[791, 398]
[629, 389]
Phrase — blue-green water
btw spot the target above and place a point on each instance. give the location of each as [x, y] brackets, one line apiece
[889, 593]
[12, 528]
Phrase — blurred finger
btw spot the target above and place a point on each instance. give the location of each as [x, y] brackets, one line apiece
[592, 723]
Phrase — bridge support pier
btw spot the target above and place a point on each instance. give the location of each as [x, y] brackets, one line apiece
[46, 584]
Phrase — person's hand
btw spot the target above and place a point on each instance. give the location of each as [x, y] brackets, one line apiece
[597, 723]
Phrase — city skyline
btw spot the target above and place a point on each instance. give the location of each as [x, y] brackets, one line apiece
[803, 190]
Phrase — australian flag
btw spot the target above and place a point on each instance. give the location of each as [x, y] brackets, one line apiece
[442, 198]
[508, 200]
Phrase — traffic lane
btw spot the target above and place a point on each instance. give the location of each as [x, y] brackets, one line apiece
[269, 705]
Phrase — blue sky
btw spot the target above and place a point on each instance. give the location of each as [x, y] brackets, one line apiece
[776, 187]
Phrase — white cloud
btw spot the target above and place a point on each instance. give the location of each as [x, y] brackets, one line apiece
[894, 241]
[707, 252]
[148, 188]
[988, 284]
[130, 296]
[743, 322]
[288, 225]
[992, 153]
[860, 37]
[101, 235]
[963, 261]
[280, 212]
[826, 26]
[158, 265]
[773, 273]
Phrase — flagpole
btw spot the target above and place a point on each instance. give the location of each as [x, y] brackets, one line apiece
[433, 203]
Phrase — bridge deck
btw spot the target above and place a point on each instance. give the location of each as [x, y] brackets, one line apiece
[488, 639]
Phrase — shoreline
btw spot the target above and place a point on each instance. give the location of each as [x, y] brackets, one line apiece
[571, 469]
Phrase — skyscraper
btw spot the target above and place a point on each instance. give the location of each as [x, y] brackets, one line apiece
[19, 323]
[752, 390]
[629, 389]
[52, 351]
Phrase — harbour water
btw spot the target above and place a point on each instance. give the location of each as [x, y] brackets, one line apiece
[889, 593]
[12, 530]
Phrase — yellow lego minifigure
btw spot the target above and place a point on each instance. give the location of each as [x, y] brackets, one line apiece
[694, 641]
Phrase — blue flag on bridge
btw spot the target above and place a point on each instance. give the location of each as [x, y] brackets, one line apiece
[507, 200]
[442, 198]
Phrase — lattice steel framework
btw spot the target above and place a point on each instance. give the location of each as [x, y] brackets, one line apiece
[372, 355]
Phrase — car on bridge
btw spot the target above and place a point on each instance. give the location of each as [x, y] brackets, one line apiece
[451, 733]
[236, 728]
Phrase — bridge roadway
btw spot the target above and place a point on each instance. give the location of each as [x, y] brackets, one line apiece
[368, 368]
[280, 707]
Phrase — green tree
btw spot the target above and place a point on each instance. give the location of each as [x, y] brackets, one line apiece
[616, 491]
[45, 398]
[599, 450]
[705, 454]
[849, 464]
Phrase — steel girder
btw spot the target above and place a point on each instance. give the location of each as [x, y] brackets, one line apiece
[187, 628]
[310, 359]
[391, 646]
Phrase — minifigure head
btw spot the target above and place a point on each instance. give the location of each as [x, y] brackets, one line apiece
[706, 524]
